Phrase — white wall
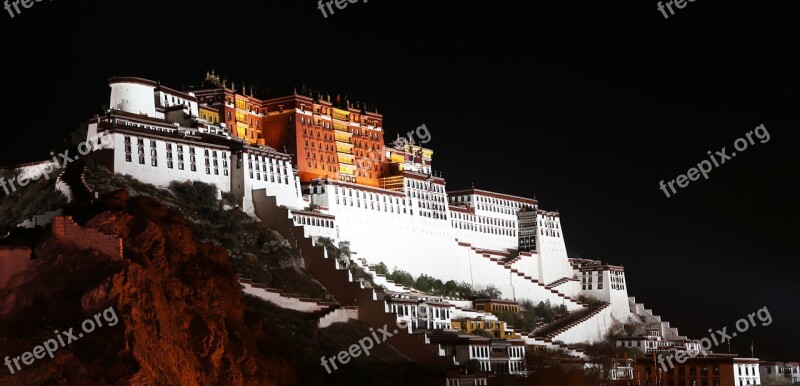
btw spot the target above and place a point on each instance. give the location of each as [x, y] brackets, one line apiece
[262, 170]
[591, 330]
[161, 174]
[616, 295]
[754, 377]
[134, 98]
[553, 261]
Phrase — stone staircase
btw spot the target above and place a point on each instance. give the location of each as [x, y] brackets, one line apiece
[554, 295]
[560, 282]
[549, 344]
[558, 326]
[338, 315]
[648, 317]
[285, 300]
[73, 177]
[372, 309]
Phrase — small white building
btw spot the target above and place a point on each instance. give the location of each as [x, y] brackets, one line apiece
[790, 371]
[746, 371]
[420, 312]
[495, 356]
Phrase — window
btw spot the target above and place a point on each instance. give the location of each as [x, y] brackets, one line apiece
[140, 146]
[128, 156]
[169, 156]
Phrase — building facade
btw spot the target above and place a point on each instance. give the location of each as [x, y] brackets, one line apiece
[327, 162]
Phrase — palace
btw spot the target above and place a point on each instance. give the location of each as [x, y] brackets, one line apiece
[323, 166]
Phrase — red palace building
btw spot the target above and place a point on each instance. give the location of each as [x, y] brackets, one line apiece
[337, 140]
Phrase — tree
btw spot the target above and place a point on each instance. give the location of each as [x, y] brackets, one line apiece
[528, 316]
[450, 288]
[380, 268]
[464, 290]
[774, 379]
[424, 283]
[344, 253]
[545, 311]
[490, 292]
[401, 277]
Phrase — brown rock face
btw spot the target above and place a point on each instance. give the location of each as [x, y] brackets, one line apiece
[182, 318]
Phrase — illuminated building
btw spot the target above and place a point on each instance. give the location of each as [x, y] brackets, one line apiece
[325, 161]
[495, 306]
[496, 328]
[335, 140]
[241, 114]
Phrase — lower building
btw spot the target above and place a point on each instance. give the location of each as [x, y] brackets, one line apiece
[711, 370]
[496, 328]
[787, 372]
[496, 305]
[464, 378]
[490, 355]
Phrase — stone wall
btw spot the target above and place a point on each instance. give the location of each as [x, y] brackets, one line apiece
[66, 230]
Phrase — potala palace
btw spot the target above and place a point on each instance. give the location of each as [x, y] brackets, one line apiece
[312, 167]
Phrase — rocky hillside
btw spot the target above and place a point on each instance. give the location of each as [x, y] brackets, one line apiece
[182, 316]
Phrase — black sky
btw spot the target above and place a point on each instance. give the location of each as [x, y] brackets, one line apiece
[587, 105]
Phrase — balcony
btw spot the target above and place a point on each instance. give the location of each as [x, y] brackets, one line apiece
[345, 148]
[343, 135]
[347, 169]
[345, 158]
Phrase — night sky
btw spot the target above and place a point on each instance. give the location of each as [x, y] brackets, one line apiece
[585, 105]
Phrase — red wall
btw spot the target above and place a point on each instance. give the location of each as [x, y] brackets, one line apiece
[13, 260]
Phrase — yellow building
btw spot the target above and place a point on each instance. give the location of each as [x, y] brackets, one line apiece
[495, 328]
[209, 114]
[496, 305]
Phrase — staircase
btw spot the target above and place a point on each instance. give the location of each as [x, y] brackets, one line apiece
[284, 300]
[647, 316]
[551, 294]
[338, 315]
[339, 282]
[73, 177]
[563, 324]
[549, 344]
[560, 282]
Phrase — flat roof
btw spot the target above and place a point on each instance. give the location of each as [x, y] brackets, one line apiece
[493, 195]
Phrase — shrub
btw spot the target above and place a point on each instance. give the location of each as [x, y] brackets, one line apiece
[592, 301]
[380, 268]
